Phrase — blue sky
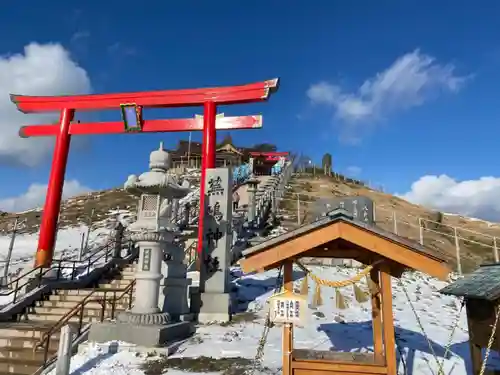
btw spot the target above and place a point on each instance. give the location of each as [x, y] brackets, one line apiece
[435, 113]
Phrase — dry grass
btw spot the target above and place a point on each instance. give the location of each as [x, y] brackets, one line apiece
[76, 210]
[226, 366]
[436, 236]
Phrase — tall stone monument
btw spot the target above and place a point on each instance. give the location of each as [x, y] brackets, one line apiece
[217, 241]
[154, 232]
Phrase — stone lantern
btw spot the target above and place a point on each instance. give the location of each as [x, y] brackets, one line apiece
[154, 232]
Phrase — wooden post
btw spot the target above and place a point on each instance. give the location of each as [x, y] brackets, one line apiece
[388, 319]
[475, 349]
[287, 328]
[377, 328]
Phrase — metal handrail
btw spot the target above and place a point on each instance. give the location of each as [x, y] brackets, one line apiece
[44, 341]
[103, 251]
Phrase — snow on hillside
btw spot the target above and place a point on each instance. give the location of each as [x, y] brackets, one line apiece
[327, 328]
[67, 244]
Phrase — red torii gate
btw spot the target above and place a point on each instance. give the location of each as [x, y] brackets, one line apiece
[131, 105]
[270, 155]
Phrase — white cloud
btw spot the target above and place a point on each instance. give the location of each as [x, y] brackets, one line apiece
[35, 196]
[40, 70]
[410, 81]
[474, 198]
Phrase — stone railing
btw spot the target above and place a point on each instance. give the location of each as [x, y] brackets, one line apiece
[268, 194]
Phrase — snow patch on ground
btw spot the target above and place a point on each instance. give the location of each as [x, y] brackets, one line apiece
[327, 328]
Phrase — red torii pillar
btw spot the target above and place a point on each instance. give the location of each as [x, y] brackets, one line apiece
[67, 105]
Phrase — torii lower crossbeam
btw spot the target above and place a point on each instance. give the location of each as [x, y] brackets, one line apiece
[149, 126]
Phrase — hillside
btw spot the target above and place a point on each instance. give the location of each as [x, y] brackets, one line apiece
[475, 237]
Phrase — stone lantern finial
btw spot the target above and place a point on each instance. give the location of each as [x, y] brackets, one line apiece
[160, 159]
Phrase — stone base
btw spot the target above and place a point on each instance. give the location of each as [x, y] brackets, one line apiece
[142, 335]
[214, 307]
[129, 317]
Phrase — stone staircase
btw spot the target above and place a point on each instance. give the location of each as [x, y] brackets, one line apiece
[40, 326]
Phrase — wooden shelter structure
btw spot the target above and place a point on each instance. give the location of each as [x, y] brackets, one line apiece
[339, 235]
[481, 293]
[190, 154]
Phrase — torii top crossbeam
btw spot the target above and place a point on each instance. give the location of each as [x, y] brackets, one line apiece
[170, 98]
[67, 105]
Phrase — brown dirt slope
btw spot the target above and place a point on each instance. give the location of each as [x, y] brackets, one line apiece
[475, 239]
[77, 210]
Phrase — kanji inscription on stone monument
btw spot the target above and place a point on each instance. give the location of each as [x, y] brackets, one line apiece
[146, 260]
[215, 186]
[215, 211]
[217, 234]
[361, 208]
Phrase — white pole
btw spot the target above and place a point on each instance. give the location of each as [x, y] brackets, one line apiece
[82, 244]
[421, 230]
[64, 352]
[91, 219]
[9, 253]
[495, 250]
[395, 222]
[457, 249]
[298, 209]
[189, 149]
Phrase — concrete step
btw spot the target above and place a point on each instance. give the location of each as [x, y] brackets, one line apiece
[115, 284]
[33, 329]
[67, 305]
[13, 352]
[20, 365]
[55, 318]
[83, 292]
[75, 298]
[26, 342]
[88, 311]
[126, 276]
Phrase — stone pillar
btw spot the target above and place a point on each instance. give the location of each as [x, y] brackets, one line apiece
[215, 276]
[252, 190]
[175, 210]
[119, 229]
[250, 166]
[185, 213]
[174, 284]
[148, 274]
